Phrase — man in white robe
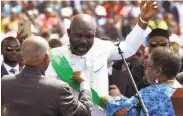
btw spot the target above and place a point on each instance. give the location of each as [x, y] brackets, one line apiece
[90, 55]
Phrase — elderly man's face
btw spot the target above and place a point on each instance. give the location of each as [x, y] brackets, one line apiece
[81, 38]
[11, 51]
[157, 41]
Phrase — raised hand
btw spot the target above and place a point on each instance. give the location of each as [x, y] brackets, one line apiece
[148, 8]
[21, 36]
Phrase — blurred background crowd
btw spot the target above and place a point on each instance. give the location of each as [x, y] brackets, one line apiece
[114, 19]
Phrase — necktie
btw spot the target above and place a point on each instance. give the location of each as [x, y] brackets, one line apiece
[13, 71]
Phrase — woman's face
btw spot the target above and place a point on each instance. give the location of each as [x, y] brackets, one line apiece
[150, 70]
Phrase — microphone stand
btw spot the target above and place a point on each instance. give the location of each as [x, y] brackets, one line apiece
[133, 82]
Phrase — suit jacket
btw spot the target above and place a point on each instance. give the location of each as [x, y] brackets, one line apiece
[32, 94]
[3, 71]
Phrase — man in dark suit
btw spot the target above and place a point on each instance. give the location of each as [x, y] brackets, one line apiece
[30, 93]
[10, 47]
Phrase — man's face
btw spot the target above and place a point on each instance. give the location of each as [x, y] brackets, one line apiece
[81, 38]
[11, 51]
[136, 58]
[157, 41]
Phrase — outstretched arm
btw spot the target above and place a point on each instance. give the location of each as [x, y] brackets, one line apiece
[137, 36]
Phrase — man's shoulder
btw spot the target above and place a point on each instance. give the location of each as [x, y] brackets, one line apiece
[53, 82]
[61, 50]
[64, 47]
[98, 41]
[105, 44]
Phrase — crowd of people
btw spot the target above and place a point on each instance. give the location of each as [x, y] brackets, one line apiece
[151, 36]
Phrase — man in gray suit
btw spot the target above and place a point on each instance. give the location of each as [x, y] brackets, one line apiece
[30, 93]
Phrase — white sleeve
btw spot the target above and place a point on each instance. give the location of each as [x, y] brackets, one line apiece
[50, 72]
[84, 85]
[130, 46]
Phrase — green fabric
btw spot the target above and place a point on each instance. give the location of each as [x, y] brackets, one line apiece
[64, 71]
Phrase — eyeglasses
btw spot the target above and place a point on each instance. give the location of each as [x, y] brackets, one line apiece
[155, 44]
[146, 66]
[11, 49]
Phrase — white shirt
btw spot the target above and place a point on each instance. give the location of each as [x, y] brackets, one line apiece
[94, 63]
[8, 68]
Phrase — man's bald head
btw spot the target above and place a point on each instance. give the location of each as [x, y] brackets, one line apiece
[34, 49]
[83, 19]
[81, 34]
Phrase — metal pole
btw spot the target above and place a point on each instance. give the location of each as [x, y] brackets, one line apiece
[133, 82]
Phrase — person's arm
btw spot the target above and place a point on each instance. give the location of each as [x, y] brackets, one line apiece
[137, 36]
[148, 8]
[71, 107]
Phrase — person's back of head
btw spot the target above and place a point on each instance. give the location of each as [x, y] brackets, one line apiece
[35, 52]
[53, 43]
[168, 60]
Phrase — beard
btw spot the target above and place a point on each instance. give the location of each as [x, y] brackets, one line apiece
[80, 49]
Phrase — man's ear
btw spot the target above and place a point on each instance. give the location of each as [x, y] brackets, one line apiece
[46, 58]
[159, 71]
[68, 32]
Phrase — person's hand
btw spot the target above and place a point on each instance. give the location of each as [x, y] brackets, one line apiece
[148, 8]
[21, 36]
[106, 99]
[78, 77]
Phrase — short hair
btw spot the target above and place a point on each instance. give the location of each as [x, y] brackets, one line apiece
[6, 39]
[167, 59]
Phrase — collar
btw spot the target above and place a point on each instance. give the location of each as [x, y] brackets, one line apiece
[8, 68]
[31, 70]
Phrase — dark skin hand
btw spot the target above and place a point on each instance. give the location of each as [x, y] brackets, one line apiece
[148, 9]
[21, 37]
